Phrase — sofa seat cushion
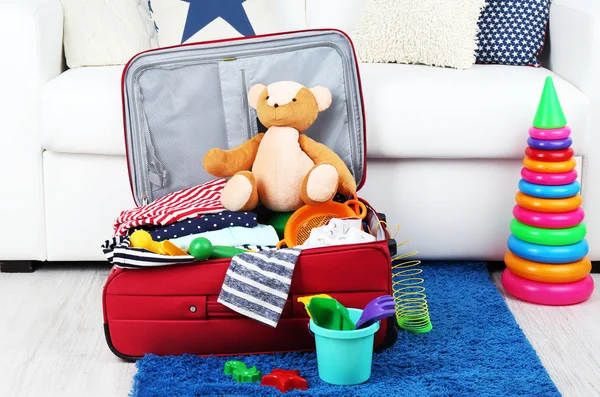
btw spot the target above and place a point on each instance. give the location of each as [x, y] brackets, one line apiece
[82, 111]
[412, 111]
[415, 111]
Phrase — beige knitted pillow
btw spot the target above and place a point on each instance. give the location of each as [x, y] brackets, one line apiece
[429, 32]
[106, 32]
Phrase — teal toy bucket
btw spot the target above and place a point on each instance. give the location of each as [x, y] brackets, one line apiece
[345, 357]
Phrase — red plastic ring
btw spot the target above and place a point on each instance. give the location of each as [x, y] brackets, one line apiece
[549, 155]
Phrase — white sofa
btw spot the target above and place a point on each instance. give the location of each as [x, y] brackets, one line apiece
[444, 146]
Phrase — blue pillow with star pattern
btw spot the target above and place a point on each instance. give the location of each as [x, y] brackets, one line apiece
[185, 21]
[512, 32]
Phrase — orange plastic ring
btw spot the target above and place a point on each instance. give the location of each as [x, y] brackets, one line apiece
[362, 213]
[549, 167]
[548, 273]
[549, 205]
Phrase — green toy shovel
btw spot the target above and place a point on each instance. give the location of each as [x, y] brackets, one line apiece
[331, 314]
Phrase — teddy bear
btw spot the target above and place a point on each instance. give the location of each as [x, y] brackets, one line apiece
[282, 168]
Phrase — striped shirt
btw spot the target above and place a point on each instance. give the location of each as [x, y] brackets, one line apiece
[119, 253]
[175, 206]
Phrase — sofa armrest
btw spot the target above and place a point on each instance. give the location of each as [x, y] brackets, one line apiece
[31, 33]
[31, 43]
[575, 56]
[575, 44]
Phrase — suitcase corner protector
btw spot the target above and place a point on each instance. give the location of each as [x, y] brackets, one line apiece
[114, 350]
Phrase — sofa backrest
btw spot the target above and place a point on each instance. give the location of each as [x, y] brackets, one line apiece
[291, 14]
[338, 14]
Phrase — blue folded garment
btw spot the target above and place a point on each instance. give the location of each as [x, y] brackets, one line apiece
[264, 235]
[201, 224]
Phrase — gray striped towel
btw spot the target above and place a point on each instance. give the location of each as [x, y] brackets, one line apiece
[257, 284]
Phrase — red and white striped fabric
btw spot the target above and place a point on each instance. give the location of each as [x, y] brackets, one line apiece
[175, 206]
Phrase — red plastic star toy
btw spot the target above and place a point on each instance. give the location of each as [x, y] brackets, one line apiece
[285, 380]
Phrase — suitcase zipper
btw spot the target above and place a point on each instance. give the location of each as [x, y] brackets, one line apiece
[249, 132]
[195, 60]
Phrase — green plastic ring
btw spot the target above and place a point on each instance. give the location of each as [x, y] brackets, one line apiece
[541, 236]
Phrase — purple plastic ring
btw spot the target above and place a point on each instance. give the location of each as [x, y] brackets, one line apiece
[555, 144]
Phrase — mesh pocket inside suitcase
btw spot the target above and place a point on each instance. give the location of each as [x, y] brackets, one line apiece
[178, 123]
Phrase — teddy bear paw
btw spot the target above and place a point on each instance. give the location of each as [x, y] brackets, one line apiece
[215, 162]
[322, 183]
[239, 193]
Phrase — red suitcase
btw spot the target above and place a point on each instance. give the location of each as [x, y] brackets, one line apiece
[179, 102]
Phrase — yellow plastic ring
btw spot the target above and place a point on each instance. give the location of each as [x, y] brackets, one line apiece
[548, 205]
[549, 167]
[548, 273]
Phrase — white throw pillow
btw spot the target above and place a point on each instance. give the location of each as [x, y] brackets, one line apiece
[337, 14]
[429, 32]
[185, 21]
[106, 32]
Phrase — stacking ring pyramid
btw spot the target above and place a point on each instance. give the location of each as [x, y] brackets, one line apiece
[547, 259]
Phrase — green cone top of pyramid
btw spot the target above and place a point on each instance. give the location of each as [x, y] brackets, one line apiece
[549, 113]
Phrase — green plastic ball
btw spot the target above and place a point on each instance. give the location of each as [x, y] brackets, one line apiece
[201, 248]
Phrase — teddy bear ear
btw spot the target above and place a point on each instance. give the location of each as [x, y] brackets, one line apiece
[254, 93]
[322, 96]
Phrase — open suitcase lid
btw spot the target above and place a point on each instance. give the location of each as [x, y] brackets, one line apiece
[181, 101]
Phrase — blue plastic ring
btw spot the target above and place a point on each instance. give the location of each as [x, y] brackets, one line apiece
[548, 253]
[548, 191]
[555, 144]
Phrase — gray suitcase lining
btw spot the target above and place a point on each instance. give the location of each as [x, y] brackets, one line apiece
[180, 102]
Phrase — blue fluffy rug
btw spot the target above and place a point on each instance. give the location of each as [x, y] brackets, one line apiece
[475, 349]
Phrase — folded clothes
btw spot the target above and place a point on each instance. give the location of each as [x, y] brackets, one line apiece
[175, 206]
[251, 247]
[201, 224]
[233, 236]
[118, 252]
[338, 231]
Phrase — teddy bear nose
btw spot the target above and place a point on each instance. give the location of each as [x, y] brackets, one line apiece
[276, 105]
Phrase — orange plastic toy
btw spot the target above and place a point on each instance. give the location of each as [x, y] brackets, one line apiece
[298, 227]
[548, 205]
[549, 167]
